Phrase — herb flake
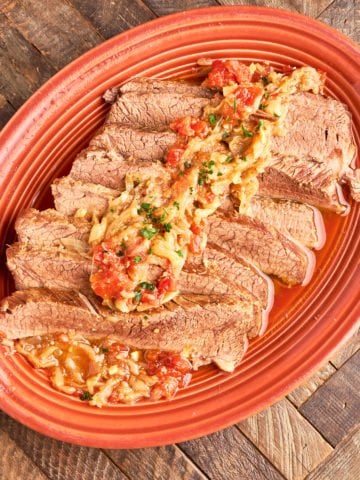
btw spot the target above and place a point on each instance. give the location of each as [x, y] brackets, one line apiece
[148, 232]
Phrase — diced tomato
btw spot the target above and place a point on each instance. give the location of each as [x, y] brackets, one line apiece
[195, 228]
[264, 73]
[227, 72]
[116, 349]
[246, 96]
[174, 155]
[190, 127]
[165, 285]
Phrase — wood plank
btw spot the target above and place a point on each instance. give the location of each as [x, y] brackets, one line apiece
[345, 16]
[111, 18]
[22, 67]
[307, 7]
[6, 111]
[306, 389]
[60, 460]
[229, 454]
[156, 463]
[14, 463]
[58, 31]
[347, 351]
[165, 7]
[343, 463]
[334, 409]
[291, 444]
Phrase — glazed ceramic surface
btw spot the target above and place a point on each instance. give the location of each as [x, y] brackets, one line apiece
[306, 325]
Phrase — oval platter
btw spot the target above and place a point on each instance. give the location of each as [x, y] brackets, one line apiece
[307, 323]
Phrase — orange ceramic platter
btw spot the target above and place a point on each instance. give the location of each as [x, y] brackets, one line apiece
[307, 323]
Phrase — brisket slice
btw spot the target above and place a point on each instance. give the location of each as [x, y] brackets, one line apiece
[192, 322]
[155, 110]
[132, 142]
[50, 228]
[155, 85]
[262, 245]
[317, 128]
[56, 267]
[302, 222]
[71, 195]
[302, 180]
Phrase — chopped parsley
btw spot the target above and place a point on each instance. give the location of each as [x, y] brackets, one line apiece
[137, 296]
[276, 115]
[112, 210]
[260, 124]
[212, 119]
[244, 159]
[148, 232]
[266, 95]
[104, 349]
[229, 159]
[261, 106]
[85, 396]
[265, 80]
[245, 132]
[191, 190]
[225, 135]
[220, 174]
[149, 251]
[120, 253]
[167, 227]
[137, 259]
[123, 245]
[234, 105]
[147, 286]
[187, 164]
[176, 205]
[145, 317]
[181, 173]
[180, 253]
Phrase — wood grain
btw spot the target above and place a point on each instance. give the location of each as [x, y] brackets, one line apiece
[349, 349]
[306, 389]
[229, 454]
[334, 409]
[343, 463]
[165, 7]
[58, 31]
[345, 16]
[23, 68]
[156, 463]
[59, 460]
[6, 111]
[307, 7]
[14, 463]
[291, 443]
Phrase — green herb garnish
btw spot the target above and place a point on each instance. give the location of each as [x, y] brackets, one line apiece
[265, 80]
[176, 205]
[234, 105]
[148, 232]
[104, 349]
[245, 132]
[276, 115]
[137, 259]
[137, 296]
[261, 106]
[167, 227]
[266, 95]
[229, 159]
[212, 119]
[244, 159]
[187, 164]
[85, 396]
[147, 286]
[180, 253]
[120, 253]
[260, 124]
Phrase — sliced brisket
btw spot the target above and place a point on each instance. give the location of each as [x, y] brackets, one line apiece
[155, 110]
[155, 85]
[190, 322]
[263, 245]
[302, 222]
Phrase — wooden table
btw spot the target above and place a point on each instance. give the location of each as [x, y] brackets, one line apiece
[314, 433]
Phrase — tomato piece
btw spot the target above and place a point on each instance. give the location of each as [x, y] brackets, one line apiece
[228, 72]
[166, 285]
[116, 349]
[195, 228]
[174, 155]
[246, 96]
[190, 127]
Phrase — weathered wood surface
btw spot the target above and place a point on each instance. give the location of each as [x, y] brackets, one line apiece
[314, 433]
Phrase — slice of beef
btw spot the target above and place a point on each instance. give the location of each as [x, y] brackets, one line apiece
[49, 227]
[72, 195]
[52, 267]
[192, 323]
[153, 110]
[317, 128]
[264, 246]
[302, 222]
[156, 85]
[236, 270]
[302, 180]
[94, 165]
[128, 141]
[57, 267]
